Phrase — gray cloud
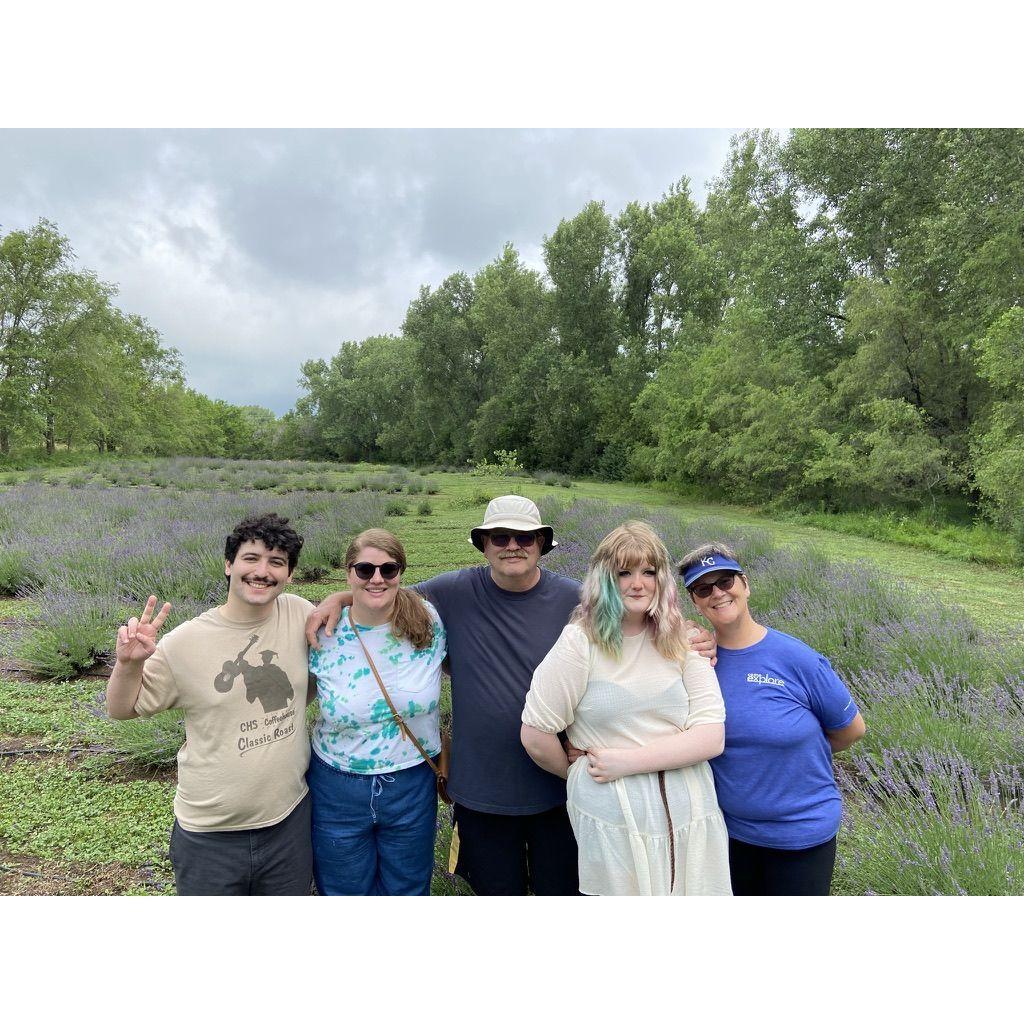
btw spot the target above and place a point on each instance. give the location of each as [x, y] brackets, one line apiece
[252, 251]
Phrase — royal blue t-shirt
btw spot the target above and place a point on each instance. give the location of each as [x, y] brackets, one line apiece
[774, 781]
[496, 639]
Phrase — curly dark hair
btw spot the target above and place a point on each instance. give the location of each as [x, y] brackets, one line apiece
[270, 528]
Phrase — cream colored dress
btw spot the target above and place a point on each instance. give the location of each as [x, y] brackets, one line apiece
[622, 827]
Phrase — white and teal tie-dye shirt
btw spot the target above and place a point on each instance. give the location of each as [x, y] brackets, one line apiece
[356, 731]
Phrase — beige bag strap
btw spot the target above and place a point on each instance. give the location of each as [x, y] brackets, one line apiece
[394, 713]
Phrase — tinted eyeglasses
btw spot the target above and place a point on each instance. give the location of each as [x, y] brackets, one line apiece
[524, 540]
[724, 584]
[365, 570]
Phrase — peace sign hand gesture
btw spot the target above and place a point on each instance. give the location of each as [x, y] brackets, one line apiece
[137, 640]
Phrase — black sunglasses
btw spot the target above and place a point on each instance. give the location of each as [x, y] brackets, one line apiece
[365, 570]
[524, 540]
[724, 584]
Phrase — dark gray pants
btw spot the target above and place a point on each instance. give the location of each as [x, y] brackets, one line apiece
[272, 861]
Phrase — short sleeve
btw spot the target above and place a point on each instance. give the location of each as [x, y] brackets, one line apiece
[159, 687]
[828, 696]
[559, 682]
[438, 590]
[440, 634]
[705, 695]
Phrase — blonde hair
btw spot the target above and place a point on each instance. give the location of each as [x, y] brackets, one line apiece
[410, 618]
[600, 610]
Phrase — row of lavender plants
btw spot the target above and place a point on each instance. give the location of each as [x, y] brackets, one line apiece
[933, 794]
[194, 474]
[89, 557]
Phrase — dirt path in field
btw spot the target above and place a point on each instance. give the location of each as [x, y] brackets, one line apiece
[33, 876]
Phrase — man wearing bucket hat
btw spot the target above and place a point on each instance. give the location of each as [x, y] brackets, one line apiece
[502, 618]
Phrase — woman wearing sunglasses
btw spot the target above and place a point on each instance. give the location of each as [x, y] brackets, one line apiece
[787, 712]
[624, 685]
[374, 796]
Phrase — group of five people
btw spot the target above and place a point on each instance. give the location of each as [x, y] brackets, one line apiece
[593, 749]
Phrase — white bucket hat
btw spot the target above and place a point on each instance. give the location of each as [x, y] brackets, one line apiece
[516, 514]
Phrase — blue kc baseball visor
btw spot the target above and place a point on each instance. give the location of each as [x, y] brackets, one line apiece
[714, 562]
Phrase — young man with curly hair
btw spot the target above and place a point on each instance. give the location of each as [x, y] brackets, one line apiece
[239, 673]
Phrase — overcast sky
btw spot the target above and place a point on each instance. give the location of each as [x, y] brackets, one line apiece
[253, 251]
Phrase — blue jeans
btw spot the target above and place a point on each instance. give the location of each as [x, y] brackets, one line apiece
[373, 835]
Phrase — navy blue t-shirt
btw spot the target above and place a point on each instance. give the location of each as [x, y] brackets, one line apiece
[774, 782]
[496, 638]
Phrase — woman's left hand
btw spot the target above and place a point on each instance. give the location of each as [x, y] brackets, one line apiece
[606, 764]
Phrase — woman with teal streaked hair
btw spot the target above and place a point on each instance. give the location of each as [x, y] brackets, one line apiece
[624, 685]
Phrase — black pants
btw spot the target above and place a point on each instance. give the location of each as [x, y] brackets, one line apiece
[515, 854]
[762, 871]
[272, 861]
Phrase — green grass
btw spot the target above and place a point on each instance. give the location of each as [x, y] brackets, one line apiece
[52, 811]
[444, 883]
[48, 710]
[975, 542]
[11, 608]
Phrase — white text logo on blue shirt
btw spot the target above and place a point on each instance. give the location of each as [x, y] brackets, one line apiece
[764, 680]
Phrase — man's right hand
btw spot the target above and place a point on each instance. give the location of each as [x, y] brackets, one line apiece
[325, 614]
[701, 641]
[136, 641]
[572, 753]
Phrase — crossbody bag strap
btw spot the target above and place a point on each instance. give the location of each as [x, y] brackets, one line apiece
[399, 721]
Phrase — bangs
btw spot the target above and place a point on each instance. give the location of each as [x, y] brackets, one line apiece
[632, 553]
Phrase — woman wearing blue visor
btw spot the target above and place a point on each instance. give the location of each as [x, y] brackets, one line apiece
[787, 712]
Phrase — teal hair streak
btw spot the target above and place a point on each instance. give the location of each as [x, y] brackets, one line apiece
[609, 611]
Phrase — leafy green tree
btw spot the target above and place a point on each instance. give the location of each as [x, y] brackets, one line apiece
[73, 368]
[886, 455]
[740, 412]
[689, 290]
[931, 222]
[787, 266]
[141, 369]
[363, 401]
[264, 432]
[636, 273]
[449, 359]
[300, 432]
[72, 356]
[998, 442]
[30, 262]
[579, 256]
[512, 315]
[564, 424]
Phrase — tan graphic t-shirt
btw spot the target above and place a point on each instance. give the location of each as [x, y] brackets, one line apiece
[243, 688]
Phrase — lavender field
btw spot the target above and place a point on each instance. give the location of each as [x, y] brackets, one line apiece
[88, 557]
[933, 794]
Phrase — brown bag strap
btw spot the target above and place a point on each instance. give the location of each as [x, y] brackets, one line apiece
[394, 713]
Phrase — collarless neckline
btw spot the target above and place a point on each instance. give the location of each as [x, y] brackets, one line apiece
[354, 626]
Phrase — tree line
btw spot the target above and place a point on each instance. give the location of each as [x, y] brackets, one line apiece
[77, 371]
[838, 325]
